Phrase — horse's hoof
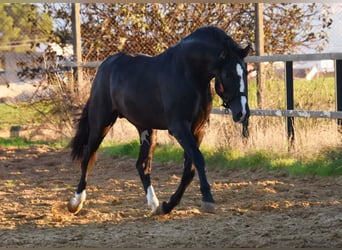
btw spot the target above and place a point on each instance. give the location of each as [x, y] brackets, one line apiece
[74, 207]
[208, 207]
[158, 211]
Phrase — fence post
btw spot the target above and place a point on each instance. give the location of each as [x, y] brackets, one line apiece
[76, 31]
[289, 102]
[259, 50]
[245, 131]
[338, 83]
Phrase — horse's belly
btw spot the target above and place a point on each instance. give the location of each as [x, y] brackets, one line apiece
[145, 116]
[146, 121]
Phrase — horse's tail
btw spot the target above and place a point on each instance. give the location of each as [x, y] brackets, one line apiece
[81, 138]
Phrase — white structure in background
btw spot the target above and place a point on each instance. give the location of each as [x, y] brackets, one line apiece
[12, 58]
[11, 86]
[310, 69]
[325, 66]
[334, 45]
[66, 51]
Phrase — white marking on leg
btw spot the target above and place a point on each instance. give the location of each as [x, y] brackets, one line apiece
[152, 200]
[143, 137]
[78, 199]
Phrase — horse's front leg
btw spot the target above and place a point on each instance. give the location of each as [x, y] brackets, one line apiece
[144, 165]
[188, 175]
[193, 157]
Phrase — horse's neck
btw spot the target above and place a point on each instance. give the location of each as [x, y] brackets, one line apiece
[201, 56]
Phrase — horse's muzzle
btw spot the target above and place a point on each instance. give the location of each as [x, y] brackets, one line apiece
[240, 109]
[240, 117]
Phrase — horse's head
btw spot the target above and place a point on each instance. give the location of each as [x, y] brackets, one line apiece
[231, 83]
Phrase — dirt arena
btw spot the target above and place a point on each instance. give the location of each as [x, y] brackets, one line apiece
[254, 208]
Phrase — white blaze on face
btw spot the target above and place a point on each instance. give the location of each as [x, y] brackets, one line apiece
[243, 99]
[239, 71]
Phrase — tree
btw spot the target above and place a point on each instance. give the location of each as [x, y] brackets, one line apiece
[22, 26]
[290, 27]
[8, 31]
[151, 28]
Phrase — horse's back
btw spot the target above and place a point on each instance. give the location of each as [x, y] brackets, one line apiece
[152, 91]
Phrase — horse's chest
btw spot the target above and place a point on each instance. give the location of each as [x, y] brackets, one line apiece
[184, 104]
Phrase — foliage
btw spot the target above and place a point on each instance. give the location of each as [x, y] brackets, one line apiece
[288, 27]
[163, 153]
[56, 102]
[56, 113]
[18, 114]
[35, 114]
[112, 27]
[159, 26]
[322, 94]
[118, 150]
[20, 142]
[326, 163]
[151, 28]
[321, 97]
[22, 26]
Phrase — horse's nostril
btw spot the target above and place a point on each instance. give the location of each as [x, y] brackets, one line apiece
[238, 117]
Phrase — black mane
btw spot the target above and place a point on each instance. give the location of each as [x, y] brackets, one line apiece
[214, 35]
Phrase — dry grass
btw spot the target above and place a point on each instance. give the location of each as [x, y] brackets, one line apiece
[266, 133]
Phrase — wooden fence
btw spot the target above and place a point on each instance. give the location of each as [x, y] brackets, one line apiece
[289, 112]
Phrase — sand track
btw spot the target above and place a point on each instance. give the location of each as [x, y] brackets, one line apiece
[254, 208]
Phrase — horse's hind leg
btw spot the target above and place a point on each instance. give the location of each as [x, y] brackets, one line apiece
[87, 163]
[144, 164]
[95, 137]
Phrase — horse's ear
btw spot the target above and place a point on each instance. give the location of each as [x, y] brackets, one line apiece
[244, 52]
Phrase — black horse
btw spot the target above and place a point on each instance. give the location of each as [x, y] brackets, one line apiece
[170, 91]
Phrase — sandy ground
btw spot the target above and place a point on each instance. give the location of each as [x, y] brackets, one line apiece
[254, 208]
